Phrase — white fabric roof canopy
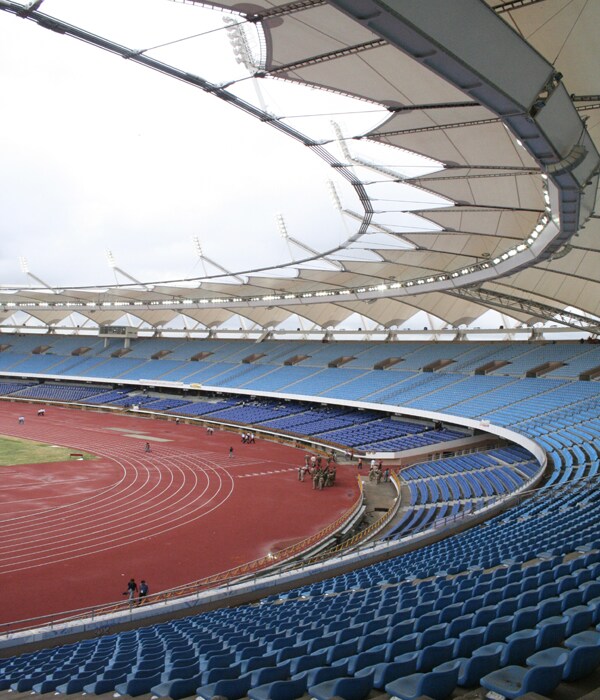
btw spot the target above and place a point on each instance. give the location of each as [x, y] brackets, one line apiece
[504, 213]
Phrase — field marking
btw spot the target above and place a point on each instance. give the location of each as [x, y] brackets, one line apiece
[274, 471]
[184, 488]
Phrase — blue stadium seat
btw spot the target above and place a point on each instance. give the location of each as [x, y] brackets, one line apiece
[348, 688]
[278, 690]
[437, 684]
[483, 661]
[384, 673]
[232, 689]
[513, 681]
[581, 660]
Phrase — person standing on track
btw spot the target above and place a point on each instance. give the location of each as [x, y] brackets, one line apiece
[147, 447]
[131, 590]
[143, 592]
[230, 452]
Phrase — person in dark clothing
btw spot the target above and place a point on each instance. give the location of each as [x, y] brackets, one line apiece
[131, 589]
[143, 592]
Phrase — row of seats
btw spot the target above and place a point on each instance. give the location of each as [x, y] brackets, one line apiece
[346, 426]
[383, 635]
[222, 364]
[362, 354]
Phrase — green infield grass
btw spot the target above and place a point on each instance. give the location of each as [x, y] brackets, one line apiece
[16, 451]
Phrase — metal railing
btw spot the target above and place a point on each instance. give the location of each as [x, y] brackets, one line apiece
[364, 534]
[223, 578]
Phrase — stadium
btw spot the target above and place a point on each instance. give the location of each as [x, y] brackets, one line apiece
[435, 324]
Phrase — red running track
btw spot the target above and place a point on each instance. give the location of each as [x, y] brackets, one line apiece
[73, 533]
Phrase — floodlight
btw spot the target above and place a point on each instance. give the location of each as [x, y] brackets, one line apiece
[197, 246]
[334, 195]
[283, 232]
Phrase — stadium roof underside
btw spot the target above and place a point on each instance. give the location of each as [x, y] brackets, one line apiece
[505, 95]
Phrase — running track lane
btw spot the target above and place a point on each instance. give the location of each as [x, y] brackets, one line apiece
[73, 533]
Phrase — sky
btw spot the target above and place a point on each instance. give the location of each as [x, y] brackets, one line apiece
[100, 154]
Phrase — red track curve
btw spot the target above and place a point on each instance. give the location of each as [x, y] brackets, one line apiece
[72, 533]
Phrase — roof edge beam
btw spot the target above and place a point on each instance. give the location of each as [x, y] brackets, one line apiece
[467, 47]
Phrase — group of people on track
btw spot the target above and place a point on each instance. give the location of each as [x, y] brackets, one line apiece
[322, 473]
[136, 595]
